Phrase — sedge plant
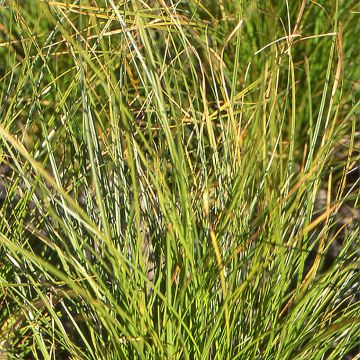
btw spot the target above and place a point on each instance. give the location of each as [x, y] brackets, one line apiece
[179, 179]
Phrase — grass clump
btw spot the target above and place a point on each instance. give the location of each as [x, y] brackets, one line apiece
[179, 179]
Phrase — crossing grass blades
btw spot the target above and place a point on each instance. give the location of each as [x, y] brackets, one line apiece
[179, 179]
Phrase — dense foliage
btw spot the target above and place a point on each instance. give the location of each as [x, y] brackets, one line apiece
[179, 179]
